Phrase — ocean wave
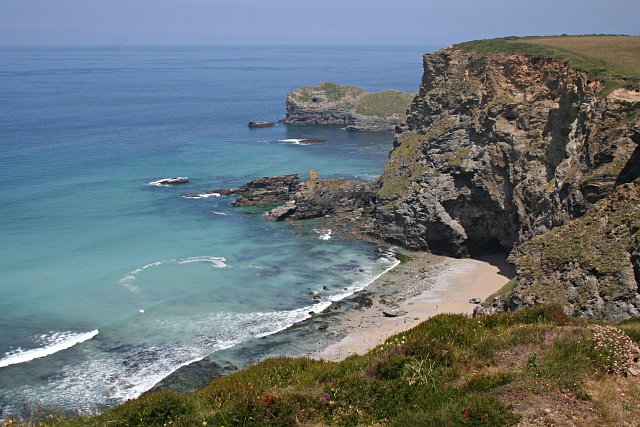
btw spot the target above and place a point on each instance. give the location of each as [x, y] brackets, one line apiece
[55, 342]
[221, 213]
[291, 141]
[127, 280]
[120, 372]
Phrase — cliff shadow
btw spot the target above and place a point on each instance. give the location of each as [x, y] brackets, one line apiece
[499, 260]
[631, 170]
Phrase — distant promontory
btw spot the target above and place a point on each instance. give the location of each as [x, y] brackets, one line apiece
[351, 106]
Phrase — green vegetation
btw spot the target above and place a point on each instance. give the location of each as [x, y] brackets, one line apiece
[384, 104]
[402, 257]
[330, 91]
[615, 60]
[599, 243]
[450, 370]
[501, 99]
[455, 159]
[402, 166]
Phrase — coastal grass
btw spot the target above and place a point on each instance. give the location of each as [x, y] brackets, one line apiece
[384, 104]
[332, 92]
[613, 59]
[449, 370]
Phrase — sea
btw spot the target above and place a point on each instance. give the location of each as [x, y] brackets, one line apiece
[110, 282]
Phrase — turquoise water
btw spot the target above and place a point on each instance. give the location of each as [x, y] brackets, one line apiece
[107, 283]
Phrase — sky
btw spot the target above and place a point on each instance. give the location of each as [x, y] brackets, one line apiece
[373, 22]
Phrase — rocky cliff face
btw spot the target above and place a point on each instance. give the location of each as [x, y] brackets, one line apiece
[348, 106]
[501, 148]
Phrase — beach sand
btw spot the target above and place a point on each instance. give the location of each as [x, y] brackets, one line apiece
[424, 286]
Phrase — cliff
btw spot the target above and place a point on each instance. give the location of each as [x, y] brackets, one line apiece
[349, 106]
[499, 148]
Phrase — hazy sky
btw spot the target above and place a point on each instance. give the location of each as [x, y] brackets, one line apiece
[438, 22]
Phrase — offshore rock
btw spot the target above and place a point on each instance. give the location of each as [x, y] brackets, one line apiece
[261, 124]
[349, 106]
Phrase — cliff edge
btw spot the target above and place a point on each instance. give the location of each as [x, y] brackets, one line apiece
[501, 147]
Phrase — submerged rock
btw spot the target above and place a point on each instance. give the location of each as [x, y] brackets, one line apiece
[312, 141]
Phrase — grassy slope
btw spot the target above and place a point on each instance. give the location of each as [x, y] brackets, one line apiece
[378, 104]
[385, 103]
[449, 371]
[613, 59]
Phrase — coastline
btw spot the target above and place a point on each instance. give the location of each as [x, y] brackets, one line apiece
[422, 287]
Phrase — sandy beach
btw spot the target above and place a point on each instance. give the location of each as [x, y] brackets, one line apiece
[424, 286]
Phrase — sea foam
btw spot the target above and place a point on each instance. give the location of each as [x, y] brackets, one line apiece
[127, 280]
[54, 343]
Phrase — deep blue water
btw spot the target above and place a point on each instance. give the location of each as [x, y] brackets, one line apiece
[134, 279]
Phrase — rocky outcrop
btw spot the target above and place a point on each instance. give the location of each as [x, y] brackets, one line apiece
[498, 149]
[590, 266]
[260, 124]
[348, 204]
[348, 106]
[267, 190]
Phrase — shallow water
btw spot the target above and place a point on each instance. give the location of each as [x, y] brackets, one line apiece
[107, 283]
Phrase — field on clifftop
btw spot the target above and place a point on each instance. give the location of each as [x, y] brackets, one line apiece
[613, 59]
[536, 366]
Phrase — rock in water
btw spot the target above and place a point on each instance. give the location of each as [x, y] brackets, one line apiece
[261, 124]
[170, 181]
[282, 212]
[312, 141]
[349, 106]
[267, 191]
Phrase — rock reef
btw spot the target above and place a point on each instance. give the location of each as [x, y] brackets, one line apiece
[349, 106]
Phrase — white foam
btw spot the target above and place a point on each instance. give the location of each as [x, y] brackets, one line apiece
[127, 280]
[57, 341]
[325, 233]
[166, 182]
[217, 262]
[292, 141]
[201, 195]
[221, 213]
